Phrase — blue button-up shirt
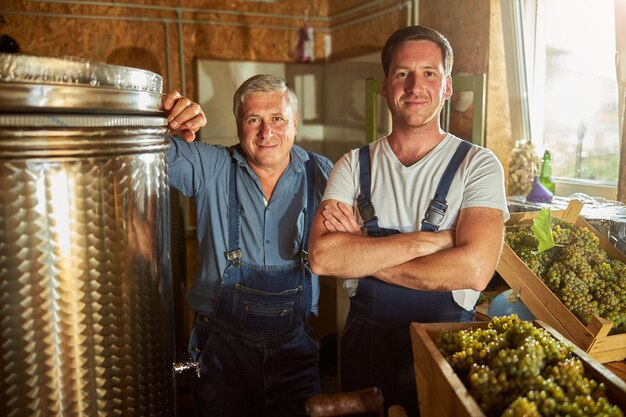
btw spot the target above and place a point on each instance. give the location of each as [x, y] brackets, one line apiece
[271, 234]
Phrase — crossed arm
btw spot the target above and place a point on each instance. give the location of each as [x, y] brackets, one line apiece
[436, 261]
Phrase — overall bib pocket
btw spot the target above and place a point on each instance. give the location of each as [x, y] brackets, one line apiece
[266, 313]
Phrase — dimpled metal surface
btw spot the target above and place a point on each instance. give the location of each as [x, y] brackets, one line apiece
[85, 278]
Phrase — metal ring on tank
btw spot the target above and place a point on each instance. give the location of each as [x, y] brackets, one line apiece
[44, 136]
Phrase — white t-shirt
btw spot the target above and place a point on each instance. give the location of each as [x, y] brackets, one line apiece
[401, 194]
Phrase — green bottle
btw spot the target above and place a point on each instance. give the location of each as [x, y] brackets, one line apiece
[545, 176]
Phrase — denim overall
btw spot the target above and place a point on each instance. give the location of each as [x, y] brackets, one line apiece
[376, 343]
[256, 357]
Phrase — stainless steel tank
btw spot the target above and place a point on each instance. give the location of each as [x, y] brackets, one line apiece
[85, 279]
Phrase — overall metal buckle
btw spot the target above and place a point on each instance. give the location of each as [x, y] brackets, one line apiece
[235, 257]
[435, 213]
[366, 209]
[304, 257]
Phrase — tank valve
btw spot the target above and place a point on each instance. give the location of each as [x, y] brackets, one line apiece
[181, 367]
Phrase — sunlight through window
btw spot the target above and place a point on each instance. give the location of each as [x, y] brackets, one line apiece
[573, 90]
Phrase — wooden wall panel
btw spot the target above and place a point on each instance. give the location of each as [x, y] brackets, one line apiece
[145, 33]
[474, 29]
[115, 42]
[361, 27]
[499, 132]
[346, 7]
[152, 34]
[370, 36]
[100, 34]
[466, 25]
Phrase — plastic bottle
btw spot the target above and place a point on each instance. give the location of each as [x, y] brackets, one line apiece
[523, 166]
[545, 176]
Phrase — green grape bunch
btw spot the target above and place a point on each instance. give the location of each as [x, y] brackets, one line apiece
[576, 270]
[521, 370]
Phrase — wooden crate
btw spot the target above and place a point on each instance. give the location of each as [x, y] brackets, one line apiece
[440, 391]
[545, 306]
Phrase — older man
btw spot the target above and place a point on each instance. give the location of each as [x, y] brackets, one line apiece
[253, 291]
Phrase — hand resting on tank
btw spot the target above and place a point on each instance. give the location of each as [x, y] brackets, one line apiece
[184, 117]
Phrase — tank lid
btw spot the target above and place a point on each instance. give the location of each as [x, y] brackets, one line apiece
[46, 84]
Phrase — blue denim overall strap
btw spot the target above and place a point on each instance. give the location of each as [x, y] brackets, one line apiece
[264, 303]
[364, 200]
[311, 182]
[438, 205]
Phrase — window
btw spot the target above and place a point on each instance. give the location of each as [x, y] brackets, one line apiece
[568, 52]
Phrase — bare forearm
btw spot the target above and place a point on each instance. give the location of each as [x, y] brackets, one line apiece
[348, 255]
[447, 270]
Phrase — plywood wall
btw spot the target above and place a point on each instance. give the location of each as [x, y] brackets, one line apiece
[466, 25]
[474, 29]
[359, 30]
[168, 36]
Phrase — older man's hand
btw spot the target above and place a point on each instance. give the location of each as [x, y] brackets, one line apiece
[184, 117]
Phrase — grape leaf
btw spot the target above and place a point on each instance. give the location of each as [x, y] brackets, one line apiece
[542, 229]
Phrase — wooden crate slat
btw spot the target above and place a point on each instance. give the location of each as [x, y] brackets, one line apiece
[599, 327]
[572, 212]
[550, 309]
[609, 348]
[517, 278]
[440, 391]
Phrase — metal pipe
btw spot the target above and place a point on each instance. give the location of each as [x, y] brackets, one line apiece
[180, 10]
[358, 9]
[184, 9]
[416, 12]
[409, 13]
[181, 57]
[168, 69]
[150, 19]
[369, 17]
[85, 16]
[216, 11]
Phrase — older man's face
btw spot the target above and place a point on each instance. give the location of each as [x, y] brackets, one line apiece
[267, 130]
